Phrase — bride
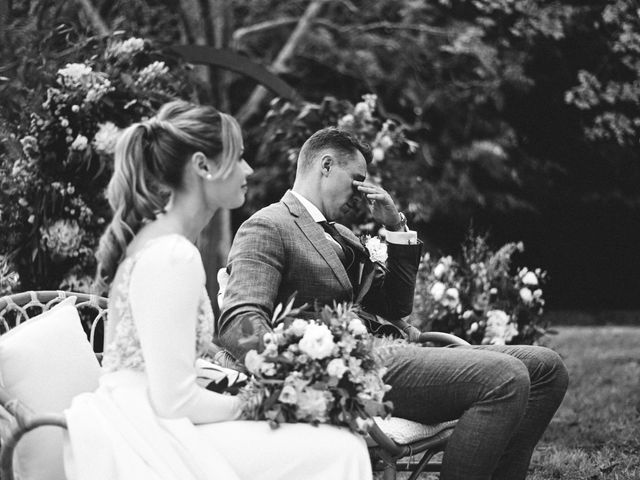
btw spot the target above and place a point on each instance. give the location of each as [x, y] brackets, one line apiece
[149, 419]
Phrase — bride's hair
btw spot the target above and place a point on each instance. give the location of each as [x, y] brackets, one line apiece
[150, 158]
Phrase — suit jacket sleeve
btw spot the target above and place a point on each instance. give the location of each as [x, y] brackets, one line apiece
[256, 263]
[391, 293]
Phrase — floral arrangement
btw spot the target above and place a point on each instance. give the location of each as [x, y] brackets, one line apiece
[55, 188]
[478, 298]
[8, 276]
[316, 371]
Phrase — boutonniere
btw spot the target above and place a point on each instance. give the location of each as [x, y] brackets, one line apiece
[376, 248]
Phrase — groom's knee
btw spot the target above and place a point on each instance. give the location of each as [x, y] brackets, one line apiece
[551, 371]
[508, 380]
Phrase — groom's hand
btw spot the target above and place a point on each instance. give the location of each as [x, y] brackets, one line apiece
[381, 205]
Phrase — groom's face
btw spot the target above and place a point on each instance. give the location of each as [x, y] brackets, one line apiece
[341, 198]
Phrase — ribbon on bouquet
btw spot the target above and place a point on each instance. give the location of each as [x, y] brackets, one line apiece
[218, 378]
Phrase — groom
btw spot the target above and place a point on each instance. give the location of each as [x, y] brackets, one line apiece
[504, 396]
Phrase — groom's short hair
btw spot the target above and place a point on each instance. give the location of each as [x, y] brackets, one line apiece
[335, 139]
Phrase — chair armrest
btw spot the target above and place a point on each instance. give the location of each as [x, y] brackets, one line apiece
[24, 420]
[383, 441]
[441, 338]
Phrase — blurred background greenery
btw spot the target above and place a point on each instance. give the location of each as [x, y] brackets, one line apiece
[525, 112]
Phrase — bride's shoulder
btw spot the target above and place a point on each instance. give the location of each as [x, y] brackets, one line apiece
[167, 248]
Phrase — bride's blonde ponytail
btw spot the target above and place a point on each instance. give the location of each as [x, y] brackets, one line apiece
[149, 161]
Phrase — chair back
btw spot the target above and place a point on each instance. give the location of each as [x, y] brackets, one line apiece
[20, 307]
[46, 361]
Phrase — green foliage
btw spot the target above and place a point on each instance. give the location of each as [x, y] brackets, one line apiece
[54, 209]
[477, 297]
[610, 91]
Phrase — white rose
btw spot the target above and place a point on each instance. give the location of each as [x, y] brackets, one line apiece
[313, 404]
[356, 327]
[336, 368]
[288, 395]
[377, 250]
[80, 143]
[317, 341]
[252, 361]
[346, 122]
[526, 295]
[537, 293]
[530, 278]
[437, 291]
[106, 137]
[298, 327]
[439, 271]
[386, 142]
[377, 154]
[497, 317]
[499, 329]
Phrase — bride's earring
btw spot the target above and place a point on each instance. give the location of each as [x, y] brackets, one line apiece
[208, 176]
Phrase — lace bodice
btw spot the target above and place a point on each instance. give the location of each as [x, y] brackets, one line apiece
[124, 349]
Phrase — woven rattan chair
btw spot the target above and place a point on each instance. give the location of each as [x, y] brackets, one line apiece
[396, 444]
[14, 310]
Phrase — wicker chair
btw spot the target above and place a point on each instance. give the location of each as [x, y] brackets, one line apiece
[14, 310]
[393, 443]
[396, 444]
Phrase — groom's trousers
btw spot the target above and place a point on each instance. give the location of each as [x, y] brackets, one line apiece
[503, 396]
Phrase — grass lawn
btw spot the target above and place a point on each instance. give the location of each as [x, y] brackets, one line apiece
[596, 432]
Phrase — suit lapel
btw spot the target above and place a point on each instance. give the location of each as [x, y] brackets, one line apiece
[316, 237]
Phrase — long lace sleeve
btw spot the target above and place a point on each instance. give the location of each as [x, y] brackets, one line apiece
[165, 291]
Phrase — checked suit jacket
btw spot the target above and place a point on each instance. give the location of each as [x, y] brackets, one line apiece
[281, 250]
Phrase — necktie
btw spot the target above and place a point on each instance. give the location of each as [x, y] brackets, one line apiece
[348, 255]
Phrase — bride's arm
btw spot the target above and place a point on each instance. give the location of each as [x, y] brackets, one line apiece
[165, 291]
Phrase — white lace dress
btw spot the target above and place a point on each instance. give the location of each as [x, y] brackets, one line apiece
[149, 419]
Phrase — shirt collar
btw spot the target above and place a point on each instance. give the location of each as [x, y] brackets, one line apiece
[310, 207]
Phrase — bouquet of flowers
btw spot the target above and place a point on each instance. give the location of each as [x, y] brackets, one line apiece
[478, 298]
[316, 371]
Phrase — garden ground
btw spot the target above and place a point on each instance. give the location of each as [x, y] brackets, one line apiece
[596, 432]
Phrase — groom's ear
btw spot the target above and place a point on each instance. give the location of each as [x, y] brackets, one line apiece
[326, 163]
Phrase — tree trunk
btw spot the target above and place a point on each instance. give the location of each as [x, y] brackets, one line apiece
[259, 94]
[214, 241]
[5, 10]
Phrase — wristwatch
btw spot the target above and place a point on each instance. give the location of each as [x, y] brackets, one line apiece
[400, 226]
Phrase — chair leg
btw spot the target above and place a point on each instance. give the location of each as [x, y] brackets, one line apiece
[389, 472]
[422, 464]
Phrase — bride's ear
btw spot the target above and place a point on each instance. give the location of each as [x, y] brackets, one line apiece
[201, 165]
